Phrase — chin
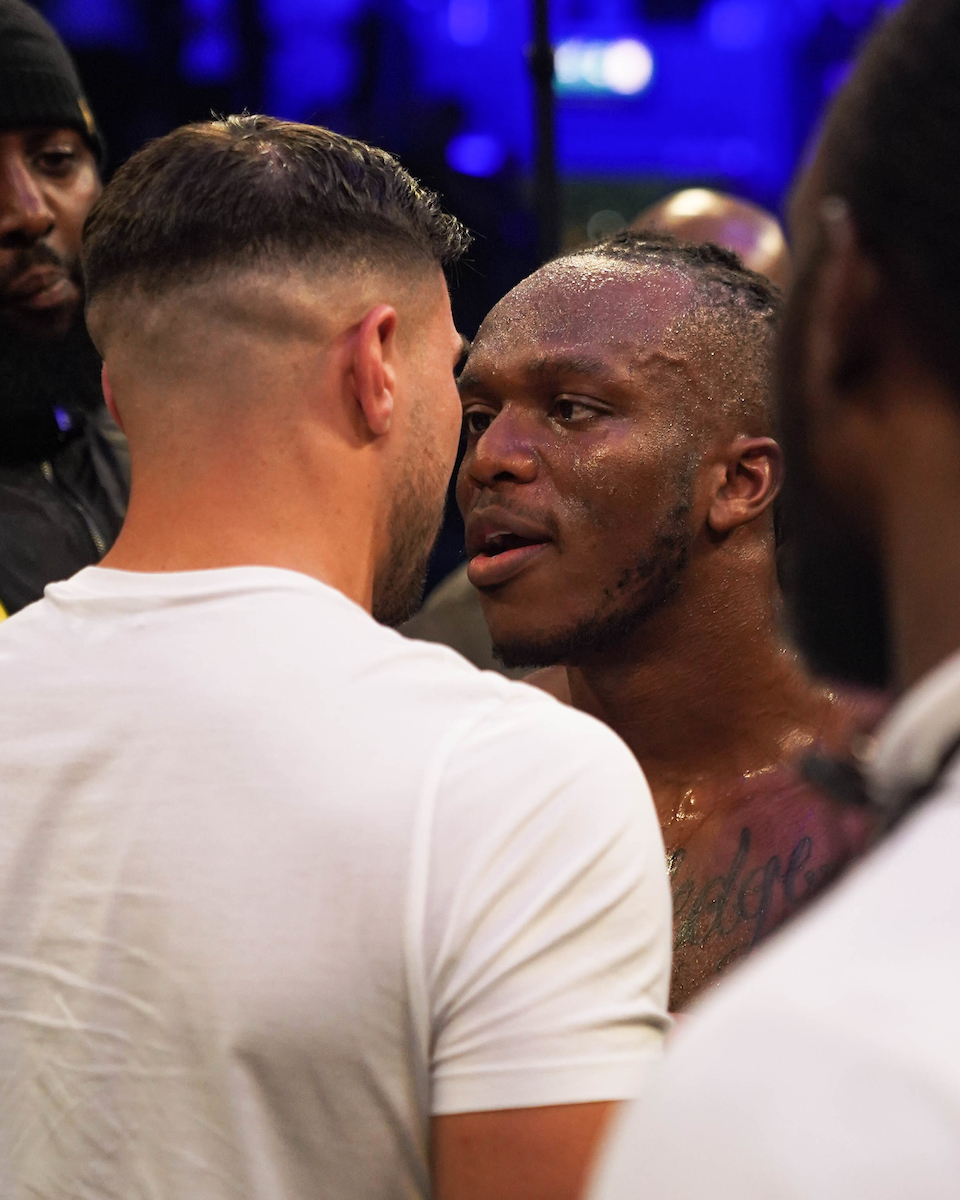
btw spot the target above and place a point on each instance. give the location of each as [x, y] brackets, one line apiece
[43, 324]
[532, 646]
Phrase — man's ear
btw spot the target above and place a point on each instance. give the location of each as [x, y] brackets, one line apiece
[374, 369]
[845, 310]
[108, 396]
[753, 478]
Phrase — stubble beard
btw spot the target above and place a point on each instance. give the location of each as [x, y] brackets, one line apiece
[414, 524]
[38, 377]
[642, 589]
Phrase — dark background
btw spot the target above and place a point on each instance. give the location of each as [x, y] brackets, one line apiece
[734, 91]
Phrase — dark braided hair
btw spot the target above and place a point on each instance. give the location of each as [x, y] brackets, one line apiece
[890, 149]
[744, 307]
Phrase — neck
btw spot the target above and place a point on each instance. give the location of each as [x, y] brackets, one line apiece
[707, 689]
[250, 504]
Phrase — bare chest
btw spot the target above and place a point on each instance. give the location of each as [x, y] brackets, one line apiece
[743, 871]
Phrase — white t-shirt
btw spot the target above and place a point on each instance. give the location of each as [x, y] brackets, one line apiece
[276, 884]
[828, 1067]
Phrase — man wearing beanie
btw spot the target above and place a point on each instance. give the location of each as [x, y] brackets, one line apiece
[63, 467]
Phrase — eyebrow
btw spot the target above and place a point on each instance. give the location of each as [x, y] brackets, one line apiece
[568, 364]
[549, 367]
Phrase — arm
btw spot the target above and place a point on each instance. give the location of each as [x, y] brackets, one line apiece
[517, 1154]
[546, 951]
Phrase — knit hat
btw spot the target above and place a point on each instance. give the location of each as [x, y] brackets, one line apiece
[39, 84]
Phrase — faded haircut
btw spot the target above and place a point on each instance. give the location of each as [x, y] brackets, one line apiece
[745, 307]
[251, 191]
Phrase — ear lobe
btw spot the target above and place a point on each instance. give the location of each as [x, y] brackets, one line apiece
[754, 476]
[108, 396]
[844, 310]
[374, 370]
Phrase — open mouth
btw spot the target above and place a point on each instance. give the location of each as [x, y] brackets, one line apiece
[500, 543]
[500, 555]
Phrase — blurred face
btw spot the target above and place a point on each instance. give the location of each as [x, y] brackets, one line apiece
[48, 183]
[832, 573]
[431, 436]
[578, 483]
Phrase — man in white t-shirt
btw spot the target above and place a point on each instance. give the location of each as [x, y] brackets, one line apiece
[829, 1067]
[291, 906]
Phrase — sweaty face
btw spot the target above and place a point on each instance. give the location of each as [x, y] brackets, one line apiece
[831, 570]
[431, 430]
[48, 183]
[578, 480]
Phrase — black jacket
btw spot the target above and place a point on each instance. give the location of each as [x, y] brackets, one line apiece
[63, 512]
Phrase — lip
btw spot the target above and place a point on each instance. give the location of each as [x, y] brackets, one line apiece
[43, 287]
[486, 570]
[490, 570]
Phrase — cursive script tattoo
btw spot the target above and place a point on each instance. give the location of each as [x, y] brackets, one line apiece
[735, 899]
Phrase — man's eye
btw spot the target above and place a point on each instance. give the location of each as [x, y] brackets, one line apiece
[476, 422]
[56, 162]
[573, 411]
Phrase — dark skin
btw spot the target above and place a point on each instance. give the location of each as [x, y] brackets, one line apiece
[883, 441]
[48, 183]
[591, 399]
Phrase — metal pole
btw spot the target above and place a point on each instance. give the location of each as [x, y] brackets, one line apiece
[546, 184]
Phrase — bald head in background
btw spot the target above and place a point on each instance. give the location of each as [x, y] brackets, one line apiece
[702, 215]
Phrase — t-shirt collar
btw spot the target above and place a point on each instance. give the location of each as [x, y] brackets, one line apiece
[917, 735]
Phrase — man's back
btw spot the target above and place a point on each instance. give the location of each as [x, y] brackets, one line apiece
[279, 885]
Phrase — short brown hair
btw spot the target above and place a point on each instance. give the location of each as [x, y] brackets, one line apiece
[249, 190]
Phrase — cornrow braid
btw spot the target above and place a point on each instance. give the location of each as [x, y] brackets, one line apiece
[746, 308]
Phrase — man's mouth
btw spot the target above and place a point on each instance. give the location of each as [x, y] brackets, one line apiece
[40, 287]
[498, 550]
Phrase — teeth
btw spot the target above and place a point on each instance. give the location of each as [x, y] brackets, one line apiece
[496, 537]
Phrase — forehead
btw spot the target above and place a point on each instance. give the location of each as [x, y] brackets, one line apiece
[613, 311]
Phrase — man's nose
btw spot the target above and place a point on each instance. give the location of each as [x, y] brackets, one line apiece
[25, 214]
[504, 453]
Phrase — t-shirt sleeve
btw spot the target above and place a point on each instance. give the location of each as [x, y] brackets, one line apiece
[546, 925]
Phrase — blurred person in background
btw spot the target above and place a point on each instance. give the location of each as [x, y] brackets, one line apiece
[294, 905]
[452, 614]
[63, 464]
[618, 489]
[703, 215]
[829, 1069]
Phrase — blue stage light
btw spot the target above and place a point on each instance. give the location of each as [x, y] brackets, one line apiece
[620, 68]
[737, 24]
[209, 57]
[468, 21]
[478, 154]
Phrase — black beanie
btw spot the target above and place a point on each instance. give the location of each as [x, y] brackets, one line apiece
[39, 84]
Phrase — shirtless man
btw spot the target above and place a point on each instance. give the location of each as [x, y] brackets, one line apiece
[618, 491]
[452, 613]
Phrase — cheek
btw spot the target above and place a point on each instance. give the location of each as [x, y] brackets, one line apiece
[616, 487]
[72, 206]
[464, 489]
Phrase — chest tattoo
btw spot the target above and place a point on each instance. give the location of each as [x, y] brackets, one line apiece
[743, 901]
